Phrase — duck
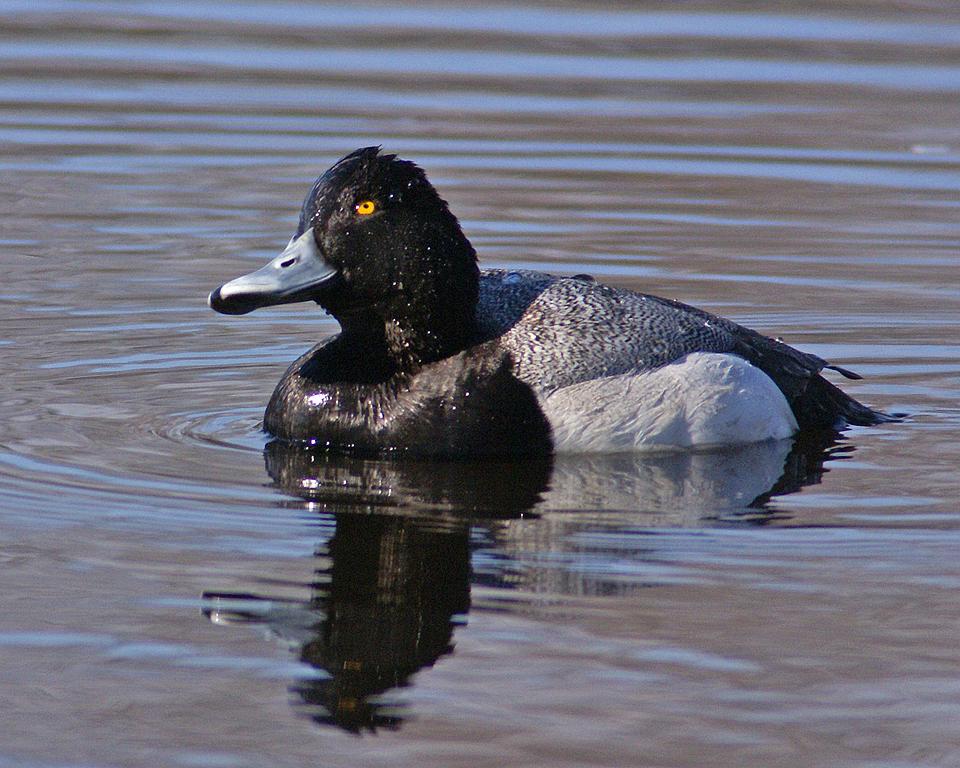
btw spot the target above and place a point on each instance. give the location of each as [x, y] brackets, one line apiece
[439, 358]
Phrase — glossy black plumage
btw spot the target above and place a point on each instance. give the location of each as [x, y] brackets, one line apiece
[437, 358]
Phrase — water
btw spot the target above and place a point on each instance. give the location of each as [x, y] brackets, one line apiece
[176, 592]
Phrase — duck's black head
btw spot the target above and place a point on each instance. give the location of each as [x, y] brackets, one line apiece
[378, 248]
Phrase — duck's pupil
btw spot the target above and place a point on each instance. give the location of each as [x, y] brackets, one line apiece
[366, 207]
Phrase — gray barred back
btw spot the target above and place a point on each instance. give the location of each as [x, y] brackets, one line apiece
[562, 331]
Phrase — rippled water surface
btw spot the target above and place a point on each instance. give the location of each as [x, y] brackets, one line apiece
[177, 592]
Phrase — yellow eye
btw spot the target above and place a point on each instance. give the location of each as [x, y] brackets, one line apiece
[366, 207]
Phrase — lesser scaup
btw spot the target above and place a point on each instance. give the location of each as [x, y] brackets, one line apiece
[437, 357]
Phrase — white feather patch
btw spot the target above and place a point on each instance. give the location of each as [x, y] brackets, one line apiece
[704, 399]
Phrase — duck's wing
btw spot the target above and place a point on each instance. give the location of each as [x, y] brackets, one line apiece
[815, 402]
[563, 331]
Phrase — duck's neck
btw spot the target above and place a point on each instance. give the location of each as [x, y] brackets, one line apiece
[429, 310]
[412, 342]
[405, 335]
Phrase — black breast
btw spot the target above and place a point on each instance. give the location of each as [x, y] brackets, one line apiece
[469, 404]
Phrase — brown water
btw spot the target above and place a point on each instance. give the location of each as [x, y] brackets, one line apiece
[168, 595]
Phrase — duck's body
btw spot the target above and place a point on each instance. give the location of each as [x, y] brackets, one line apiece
[437, 358]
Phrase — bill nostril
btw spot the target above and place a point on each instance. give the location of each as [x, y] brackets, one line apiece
[288, 263]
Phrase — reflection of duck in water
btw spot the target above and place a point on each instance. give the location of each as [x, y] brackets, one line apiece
[487, 488]
[396, 590]
[393, 582]
[438, 358]
[686, 487]
[384, 604]
[392, 585]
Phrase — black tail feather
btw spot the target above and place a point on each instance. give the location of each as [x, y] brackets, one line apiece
[845, 372]
[823, 405]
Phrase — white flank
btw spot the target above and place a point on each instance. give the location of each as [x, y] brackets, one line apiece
[704, 399]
